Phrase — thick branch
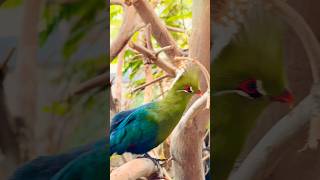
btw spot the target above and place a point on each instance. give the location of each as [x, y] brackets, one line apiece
[131, 24]
[158, 29]
[134, 169]
[117, 2]
[280, 133]
[180, 147]
[308, 38]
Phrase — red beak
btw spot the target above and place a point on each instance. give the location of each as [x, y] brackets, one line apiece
[285, 97]
[199, 92]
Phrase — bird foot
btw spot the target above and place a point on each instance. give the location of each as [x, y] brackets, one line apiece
[156, 161]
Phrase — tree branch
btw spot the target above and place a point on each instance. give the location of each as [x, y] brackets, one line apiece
[150, 83]
[97, 81]
[180, 147]
[131, 24]
[280, 133]
[175, 29]
[7, 58]
[117, 2]
[304, 32]
[166, 66]
[134, 169]
[158, 29]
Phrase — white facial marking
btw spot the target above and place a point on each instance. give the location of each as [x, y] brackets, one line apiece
[260, 88]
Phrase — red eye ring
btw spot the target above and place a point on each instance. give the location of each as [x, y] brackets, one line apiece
[188, 89]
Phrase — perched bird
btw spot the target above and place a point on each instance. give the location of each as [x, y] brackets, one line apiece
[141, 129]
[86, 162]
[248, 75]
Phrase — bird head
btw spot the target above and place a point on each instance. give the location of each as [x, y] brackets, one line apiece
[187, 82]
[253, 88]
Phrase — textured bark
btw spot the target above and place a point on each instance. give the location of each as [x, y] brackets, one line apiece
[134, 169]
[187, 139]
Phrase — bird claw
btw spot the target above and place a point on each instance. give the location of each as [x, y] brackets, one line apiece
[156, 161]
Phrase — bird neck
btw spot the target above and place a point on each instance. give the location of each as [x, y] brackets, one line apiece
[175, 101]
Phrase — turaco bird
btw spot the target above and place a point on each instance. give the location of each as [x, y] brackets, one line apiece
[141, 129]
[86, 162]
[248, 75]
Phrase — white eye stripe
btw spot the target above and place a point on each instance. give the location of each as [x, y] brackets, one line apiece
[260, 88]
[190, 90]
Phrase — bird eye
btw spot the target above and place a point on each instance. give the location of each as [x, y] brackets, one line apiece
[188, 89]
[252, 85]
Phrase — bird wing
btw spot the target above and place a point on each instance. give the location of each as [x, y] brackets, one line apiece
[120, 117]
[44, 167]
[136, 133]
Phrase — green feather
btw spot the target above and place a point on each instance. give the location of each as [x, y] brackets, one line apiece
[256, 52]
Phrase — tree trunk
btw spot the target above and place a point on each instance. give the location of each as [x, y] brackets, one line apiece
[25, 92]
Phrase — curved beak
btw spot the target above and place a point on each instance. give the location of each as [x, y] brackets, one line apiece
[285, 97]
[199, 92]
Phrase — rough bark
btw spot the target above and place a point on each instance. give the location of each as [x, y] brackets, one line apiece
[280, 133]
[134, 169]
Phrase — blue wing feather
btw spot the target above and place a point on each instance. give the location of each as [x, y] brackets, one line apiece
[134, 133]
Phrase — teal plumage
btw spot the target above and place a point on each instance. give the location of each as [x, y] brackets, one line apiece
[141, 129]
[78, 160]
[90, 165]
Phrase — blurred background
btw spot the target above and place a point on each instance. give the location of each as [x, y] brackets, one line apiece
[53, 56]
[286, 160]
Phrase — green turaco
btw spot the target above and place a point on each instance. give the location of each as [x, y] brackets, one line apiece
[141, 129]
[248, 75]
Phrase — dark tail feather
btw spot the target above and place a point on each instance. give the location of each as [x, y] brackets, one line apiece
[44, 167]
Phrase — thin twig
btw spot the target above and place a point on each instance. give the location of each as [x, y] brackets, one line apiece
[163, 49]
[7, 58]
[150, 83]
[175, 29]
[101, 80]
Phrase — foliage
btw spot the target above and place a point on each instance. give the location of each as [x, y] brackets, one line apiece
[82, 15]
[174, 14]
[83, 19]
